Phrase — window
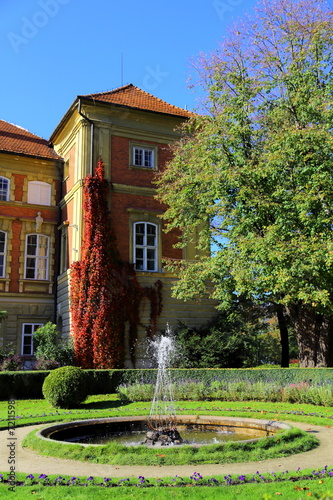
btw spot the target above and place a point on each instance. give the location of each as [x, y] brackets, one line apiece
[143, 157]
[28, 330]
[4, 189]
[36, 257]
[39, 193]
[2, 253]
[145, 246]
[64, 250]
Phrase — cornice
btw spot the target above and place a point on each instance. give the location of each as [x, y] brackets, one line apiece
[130, 189]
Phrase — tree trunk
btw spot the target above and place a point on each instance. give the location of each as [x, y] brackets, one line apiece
[284, 338]
[314, 333]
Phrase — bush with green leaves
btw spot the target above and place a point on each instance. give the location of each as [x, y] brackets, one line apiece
[46, 364]
[11, 363]
[48, 346]
[65, 387]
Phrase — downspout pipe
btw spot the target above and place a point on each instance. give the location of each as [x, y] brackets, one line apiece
[91, 136]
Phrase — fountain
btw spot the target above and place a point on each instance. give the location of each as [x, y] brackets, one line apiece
[162, 417]
[164, 426]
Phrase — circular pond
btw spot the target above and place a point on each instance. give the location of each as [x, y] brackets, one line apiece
[195, 430]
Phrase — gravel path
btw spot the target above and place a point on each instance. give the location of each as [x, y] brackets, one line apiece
[30, 462]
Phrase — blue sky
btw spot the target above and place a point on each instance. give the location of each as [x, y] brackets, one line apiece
[54, 50]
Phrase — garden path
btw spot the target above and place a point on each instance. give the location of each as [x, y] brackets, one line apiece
[30, 462]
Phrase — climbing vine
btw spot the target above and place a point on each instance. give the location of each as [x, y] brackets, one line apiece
[105, 293]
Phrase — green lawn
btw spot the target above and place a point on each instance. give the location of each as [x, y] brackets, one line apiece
[290, 490]
[35, 411]
[30, 412]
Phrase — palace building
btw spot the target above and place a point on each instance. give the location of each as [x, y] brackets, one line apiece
[41, 216]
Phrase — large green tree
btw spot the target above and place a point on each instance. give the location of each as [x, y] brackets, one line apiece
[254, 172]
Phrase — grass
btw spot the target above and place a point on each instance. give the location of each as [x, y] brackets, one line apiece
[29, 412]
[293, 489]
[280, 445]
[35, 411]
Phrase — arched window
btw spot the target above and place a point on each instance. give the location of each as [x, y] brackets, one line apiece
[145, 246]
[39, 193]
[4, 188]
[36, 257]
[3, 241]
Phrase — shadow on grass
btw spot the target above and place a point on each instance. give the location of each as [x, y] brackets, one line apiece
[102, 405]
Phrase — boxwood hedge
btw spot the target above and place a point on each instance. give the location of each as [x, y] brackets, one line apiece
[28, 385]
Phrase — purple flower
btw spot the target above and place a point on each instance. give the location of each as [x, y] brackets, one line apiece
[30, 477]
[42, 476]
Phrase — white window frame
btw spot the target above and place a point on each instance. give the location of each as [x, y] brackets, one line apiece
[3, 255]
[39, 193]
[144, 156]
[28, 338]
[4, 188]
[64, 249]
[41, 266]
[145, 248]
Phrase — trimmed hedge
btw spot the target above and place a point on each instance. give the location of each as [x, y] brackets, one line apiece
[28, 385]
[66, 387]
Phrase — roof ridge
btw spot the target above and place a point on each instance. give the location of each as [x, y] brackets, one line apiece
[112, 91]
[133, 97]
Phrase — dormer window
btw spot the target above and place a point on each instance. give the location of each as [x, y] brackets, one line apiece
[4, 189]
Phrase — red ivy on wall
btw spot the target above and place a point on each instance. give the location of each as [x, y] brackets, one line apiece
[105, 293]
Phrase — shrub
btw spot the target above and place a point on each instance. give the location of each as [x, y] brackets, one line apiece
[48, 346]
[136, 392]
[12, 363]
[65, 387]
[46, 364]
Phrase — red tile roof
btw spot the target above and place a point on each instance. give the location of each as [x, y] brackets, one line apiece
[134, 97]
[14, 139]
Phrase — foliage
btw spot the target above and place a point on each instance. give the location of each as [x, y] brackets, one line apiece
[136, 392]
[46, 364]
[105, 293]
[12, 363]
[254, 174]
[65, 387]
[7, 351]
[49, 347]
[233, 339]
[28, 384]
[243, 390]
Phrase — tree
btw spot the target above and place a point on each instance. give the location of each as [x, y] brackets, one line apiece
[254, 173]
